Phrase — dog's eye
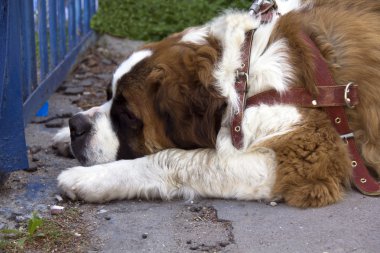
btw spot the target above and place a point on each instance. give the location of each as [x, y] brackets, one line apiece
[130, 119]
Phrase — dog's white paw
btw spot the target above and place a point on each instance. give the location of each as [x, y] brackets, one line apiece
[62, 142]
[86, 183]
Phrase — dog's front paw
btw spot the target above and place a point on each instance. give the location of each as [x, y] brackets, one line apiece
[62, 142]
[86, 183]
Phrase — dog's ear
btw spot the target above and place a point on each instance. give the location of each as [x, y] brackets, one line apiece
[206, 58]
[184, 99]
[204, 61]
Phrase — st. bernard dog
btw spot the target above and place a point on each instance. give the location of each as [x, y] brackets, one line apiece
[166, 131]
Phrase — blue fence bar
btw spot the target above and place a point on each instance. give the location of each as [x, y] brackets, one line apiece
[86, 14]
[29, 45]
[78, 16]
[53, 33]
[72, 33]
[61, 32]
[61, 28]
[42, 35]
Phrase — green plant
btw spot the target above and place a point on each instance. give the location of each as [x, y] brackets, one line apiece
[153, 20]
[19, 237]
[55, 234]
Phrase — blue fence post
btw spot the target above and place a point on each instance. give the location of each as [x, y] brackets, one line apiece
[42, 35]
[13, 153]
[29, 50]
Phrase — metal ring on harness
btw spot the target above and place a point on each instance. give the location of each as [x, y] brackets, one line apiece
[346, 98]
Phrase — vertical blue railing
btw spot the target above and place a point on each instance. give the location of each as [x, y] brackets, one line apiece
[40, 40]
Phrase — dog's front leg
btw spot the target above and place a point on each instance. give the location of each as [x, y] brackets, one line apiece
[174, 173]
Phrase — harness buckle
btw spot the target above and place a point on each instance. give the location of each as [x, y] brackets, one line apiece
[255, 7]
[239, 74]
[346, 98]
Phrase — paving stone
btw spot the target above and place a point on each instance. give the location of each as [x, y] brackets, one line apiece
[40, 120]
[87, 82]
[65, 115]
[35, 149]
[83, 76]
[74, 90]
[105, 76]
[55, 123]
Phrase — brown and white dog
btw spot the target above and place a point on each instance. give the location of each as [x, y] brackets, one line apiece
[165, 132]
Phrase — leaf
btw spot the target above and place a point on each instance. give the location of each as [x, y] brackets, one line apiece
[10, 231]
[34, 223]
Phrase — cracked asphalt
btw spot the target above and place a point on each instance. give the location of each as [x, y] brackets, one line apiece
[202, 225]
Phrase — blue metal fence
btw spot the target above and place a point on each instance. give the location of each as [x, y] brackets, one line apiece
[40, 40]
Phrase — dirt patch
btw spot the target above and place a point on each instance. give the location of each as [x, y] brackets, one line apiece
[205, 231]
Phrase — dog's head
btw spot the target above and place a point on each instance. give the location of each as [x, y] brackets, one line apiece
[161, 97]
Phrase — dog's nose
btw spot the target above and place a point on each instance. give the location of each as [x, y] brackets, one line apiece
[79, 125]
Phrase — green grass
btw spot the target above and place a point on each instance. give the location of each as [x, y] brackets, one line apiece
[152, 20]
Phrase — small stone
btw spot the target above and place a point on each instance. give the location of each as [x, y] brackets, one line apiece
[20, 218]
[55, 123]
[35, 149]
[92, 63]
[195, 209]
[224, 244]
[273, 203]
[58, 198]
[144, 236]
[106, 61]
[56, 209]
[77, 234]
[32, 166]
[74, 90]
[102, 211]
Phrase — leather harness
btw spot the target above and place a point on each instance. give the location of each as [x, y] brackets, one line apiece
[331, 97]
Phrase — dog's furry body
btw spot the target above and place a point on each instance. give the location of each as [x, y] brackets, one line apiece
[185, 102]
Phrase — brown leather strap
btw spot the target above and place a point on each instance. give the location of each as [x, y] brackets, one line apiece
[241, 87]
[266, 12]
[363, 181]
[327, 96]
